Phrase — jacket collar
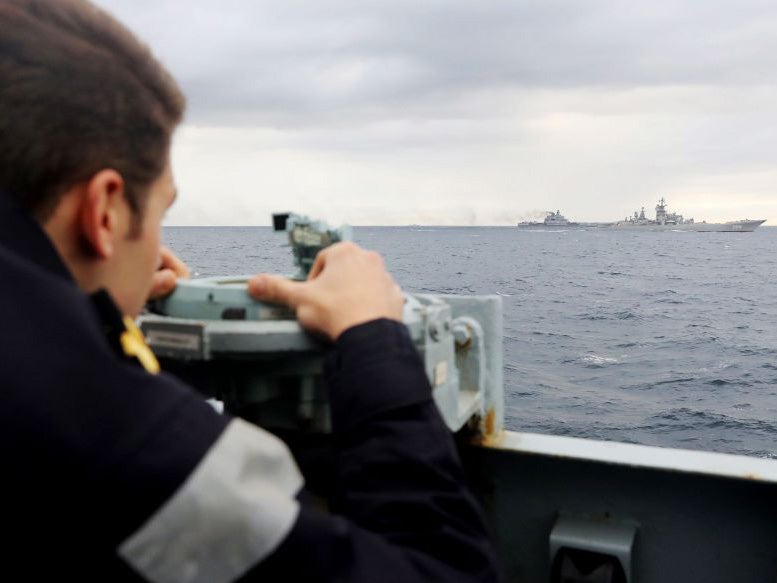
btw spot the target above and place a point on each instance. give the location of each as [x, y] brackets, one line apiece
[22, 235]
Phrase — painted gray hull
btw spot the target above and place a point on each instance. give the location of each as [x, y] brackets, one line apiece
[697, 517]
[730, 227]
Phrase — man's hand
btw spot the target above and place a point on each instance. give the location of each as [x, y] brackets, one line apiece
[170, 270]
[346, 286]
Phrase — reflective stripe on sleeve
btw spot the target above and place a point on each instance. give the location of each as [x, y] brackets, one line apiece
[231, 513]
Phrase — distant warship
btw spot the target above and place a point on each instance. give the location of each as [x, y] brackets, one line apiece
[552, 219]
[666, 221]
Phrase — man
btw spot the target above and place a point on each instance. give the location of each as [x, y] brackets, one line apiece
[114, 472]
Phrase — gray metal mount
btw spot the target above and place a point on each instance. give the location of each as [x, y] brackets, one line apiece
[249, 353]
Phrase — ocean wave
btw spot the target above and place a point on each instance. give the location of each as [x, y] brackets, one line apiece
[764, 351]
[622, 315]
[552, 334]
[683, 419]
[592, 360]
[680, 381]
[650, 385]
[721, 382]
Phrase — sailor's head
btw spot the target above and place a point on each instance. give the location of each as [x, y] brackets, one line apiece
[86, 119]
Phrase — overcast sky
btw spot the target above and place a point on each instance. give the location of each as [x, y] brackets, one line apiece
[463, 112]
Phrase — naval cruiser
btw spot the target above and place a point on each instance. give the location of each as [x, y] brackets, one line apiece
[666, 221]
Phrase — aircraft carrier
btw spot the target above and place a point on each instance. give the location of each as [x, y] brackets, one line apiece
[552, 219]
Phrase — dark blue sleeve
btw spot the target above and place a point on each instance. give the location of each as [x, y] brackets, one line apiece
[401, 511]
[93, 444]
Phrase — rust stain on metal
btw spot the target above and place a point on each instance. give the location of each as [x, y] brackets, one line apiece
[494, 440]
[489, 437]
[464, 346]
[490, 421]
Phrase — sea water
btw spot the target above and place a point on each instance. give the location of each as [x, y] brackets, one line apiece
[660, 338]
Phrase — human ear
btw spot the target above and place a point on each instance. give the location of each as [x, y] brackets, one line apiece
[100, 212]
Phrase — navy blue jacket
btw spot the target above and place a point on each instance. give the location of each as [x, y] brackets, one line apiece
[112, 473]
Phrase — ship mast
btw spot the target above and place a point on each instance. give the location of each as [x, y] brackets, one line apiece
[661, 211]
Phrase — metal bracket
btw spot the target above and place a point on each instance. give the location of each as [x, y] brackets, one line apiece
[590, 541]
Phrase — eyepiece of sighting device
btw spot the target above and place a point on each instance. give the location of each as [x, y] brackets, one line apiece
[279, 221]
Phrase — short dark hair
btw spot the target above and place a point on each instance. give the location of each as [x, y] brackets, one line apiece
[79, 93]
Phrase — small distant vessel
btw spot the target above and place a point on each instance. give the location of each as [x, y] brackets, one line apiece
[666, 221]
[552, 219]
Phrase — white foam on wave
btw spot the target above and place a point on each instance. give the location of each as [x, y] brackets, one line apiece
[598, 360]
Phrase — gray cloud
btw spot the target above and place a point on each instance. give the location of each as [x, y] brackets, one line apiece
[294, 61]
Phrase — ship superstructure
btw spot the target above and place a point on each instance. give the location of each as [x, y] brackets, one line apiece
[663, 217]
